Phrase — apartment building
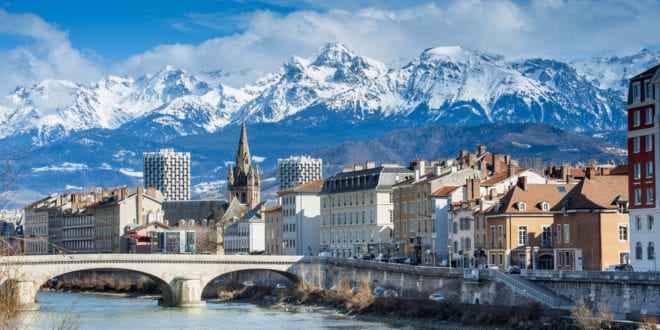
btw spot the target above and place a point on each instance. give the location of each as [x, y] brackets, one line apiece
[357, 209]
[301, 218]
[274, 244]
[643, 160]
[248, 234]
[169, 172]
[294, 171]
[563, 226]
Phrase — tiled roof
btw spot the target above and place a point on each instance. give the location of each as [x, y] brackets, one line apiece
[532, 196]
[314, 186]
[274, 208]
[444, 191]
[599, 192]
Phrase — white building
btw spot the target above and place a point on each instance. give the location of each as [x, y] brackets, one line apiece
[301, 218]
[356, 209]
[294, 171]
[248, 234]
[169, 172]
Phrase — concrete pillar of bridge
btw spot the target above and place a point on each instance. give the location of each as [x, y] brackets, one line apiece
[26, 296]
[187, 292]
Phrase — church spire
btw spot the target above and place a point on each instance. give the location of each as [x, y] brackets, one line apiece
[243, 154]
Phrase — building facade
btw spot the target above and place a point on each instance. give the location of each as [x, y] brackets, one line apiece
[301, 218]
[274, 244]
[643, 160]
[356, 209]
[169, 172]
[243, 183]
[248, 234]
[294, 171]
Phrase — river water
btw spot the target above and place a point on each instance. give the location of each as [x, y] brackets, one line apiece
[106, 312]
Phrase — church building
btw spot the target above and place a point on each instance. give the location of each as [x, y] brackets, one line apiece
[243, 179]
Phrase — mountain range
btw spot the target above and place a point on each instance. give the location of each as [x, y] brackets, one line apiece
[68, 135]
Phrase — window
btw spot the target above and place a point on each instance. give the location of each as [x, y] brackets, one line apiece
[650, 251]
[648, 89]
[568, 258]
[623, 232]
[492, 236]
[637, 91]
[546, 237]
[500, 235]
[651, 222]
[649, 169]
[638, 251]
[636, 118]
[648, 116]
[648, 141]
[522, 206]
[522, 235]
[649, 195]
[559, 233]
[545, 206]
[636, 144]
[638, 221]
[637, 170]
[638, 196]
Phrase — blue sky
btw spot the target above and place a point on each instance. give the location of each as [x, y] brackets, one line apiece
[83, 41]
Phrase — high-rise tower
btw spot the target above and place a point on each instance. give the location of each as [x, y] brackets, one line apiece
[243, 179]
[169, 172]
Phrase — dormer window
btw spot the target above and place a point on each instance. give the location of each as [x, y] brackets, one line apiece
[637, 92]
[545, 206]
[522, 206]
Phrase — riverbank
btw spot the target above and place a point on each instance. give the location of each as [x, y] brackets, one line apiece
[418, 313]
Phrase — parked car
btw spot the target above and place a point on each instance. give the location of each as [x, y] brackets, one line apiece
[362, 257]
[247, 283]
[281, 286]
[489, 266]
[382, 257]
[623, 268]
[357, 289]
[437, 296]
[325, 254]
[379, 291]
[390, 293]
[513, 270]
[399, 259]
[411, 261]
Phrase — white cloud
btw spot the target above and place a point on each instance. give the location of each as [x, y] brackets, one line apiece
[130, 172]
[50, 56]
[393, 32]
[395, 36]
[65, 167]
[258, 159]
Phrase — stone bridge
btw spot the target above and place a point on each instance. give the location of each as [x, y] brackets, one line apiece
[180, 278]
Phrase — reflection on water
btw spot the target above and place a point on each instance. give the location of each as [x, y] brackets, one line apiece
[104, 312]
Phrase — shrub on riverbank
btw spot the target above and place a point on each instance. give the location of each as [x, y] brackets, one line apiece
[104, 283]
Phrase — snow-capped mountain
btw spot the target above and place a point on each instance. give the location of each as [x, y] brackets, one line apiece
[448, 85]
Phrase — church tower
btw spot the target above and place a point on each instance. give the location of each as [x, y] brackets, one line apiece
[243, 179]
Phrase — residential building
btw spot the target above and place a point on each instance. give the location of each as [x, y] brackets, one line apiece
[274, 244]
[118, 212]
[301, 218]
[643, 160]
[248, 234]
[243, 183]
[207, 218]
[294, 171]
[139, 238]
[35, 226]
[441, 249]
[357, 209]
[414, 223]
[169, 172]
[563, 226]
[591, 228]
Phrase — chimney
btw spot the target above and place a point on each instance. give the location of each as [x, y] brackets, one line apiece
[472, 186]
[482, 149]
[522, 182]
[463, 153]
[370, 164]
[422, 167]
[139, 216]
[496, 163]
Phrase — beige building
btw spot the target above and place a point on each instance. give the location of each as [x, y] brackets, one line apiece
[273, 220]
[565, 226]
[356, 209]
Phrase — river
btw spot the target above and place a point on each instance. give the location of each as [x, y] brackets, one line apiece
[92, 311]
